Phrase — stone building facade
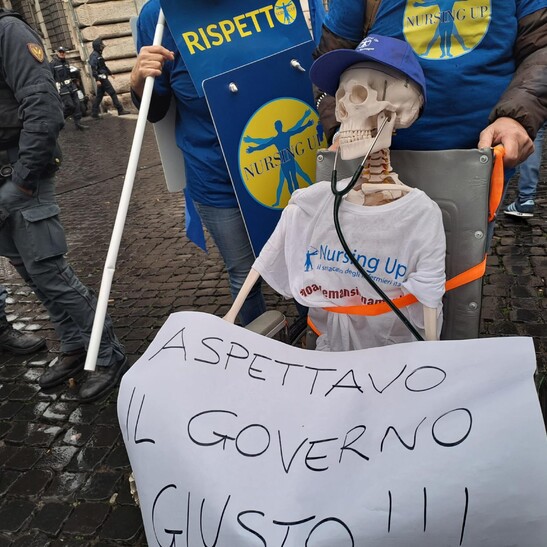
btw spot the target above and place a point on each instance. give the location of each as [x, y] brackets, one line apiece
[74, 24]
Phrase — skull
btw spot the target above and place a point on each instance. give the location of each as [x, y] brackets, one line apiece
[368, 94]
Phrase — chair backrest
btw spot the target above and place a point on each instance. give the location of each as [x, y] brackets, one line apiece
[459, 182]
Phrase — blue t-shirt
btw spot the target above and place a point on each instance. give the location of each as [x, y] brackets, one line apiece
[465, 48]
[207, 178]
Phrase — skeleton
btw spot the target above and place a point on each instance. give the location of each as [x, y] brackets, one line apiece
[369, 94]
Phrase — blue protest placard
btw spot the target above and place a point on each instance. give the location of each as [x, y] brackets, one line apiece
[269, 134]
[216, 37]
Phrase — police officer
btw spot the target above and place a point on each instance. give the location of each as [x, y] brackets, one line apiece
[66, 87]
[31, 235]
[101, 73]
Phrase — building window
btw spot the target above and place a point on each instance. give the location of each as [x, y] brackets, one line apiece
[52, 18]
[26, 9]
[56, 24]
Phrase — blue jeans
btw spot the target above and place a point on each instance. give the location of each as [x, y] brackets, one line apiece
[529, 171]
[3, 296]
[230, 236]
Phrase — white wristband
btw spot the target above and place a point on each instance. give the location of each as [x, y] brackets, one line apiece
[318, 102]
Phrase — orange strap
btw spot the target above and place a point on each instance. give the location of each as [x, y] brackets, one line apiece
[313, 327]
[496, 182]
[472, 274]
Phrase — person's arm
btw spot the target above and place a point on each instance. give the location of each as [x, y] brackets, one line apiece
[325, 104]
[40, 107]
[52, 68]
[262, 145]
[94, 65]
[299, 123]
[300, 128]
[150, 62]
[522, 109]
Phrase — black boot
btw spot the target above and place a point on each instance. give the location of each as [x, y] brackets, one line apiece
[101, 381]
[80, 126]
[18, 342]
[123, 112]
[67, 366]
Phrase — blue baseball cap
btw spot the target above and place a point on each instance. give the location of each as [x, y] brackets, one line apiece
[325, 72]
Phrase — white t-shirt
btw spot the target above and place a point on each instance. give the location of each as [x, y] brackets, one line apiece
[401, 245]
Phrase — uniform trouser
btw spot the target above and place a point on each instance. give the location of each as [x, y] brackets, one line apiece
[105, 87]
[71, 104]
[33, 239]
[3, 297]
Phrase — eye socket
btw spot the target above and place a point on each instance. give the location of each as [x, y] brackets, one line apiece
[358, 94]
[340, 93]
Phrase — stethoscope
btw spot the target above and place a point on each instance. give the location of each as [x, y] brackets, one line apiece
[338, 195]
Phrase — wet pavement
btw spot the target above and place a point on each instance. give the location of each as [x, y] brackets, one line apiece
[63, 466]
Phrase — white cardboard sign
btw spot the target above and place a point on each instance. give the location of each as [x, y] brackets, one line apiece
[237, 440]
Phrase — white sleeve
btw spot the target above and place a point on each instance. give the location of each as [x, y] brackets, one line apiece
[427, 282]
[271, 263]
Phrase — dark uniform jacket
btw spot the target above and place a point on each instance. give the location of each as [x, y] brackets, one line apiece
[31, 112]
[97, 63]
[62, 76]
[525, 100]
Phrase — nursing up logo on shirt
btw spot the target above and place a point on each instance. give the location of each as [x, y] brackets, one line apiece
[213, 39]
[444, 29]
[277, 151]
[327, 258]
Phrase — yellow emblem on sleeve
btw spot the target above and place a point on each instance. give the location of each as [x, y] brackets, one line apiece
[37, 52]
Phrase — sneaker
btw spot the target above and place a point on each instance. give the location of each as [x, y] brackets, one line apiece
[523, 210]
[18, 342]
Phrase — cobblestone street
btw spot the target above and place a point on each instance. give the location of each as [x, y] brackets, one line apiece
[63, 466]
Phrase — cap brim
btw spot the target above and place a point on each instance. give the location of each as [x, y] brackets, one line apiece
[325, 72]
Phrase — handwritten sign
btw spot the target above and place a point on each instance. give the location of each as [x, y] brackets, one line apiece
[239, 440]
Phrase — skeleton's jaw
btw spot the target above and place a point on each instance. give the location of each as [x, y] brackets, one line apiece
[355, 142]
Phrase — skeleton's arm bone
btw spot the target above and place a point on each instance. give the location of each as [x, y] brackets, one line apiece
[248, 284]
[430, 323]
[430, 314]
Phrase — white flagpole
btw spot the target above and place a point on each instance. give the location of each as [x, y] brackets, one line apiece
[113, 249]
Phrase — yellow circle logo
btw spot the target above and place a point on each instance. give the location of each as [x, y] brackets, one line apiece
[285, 11]
[277, 150]
[444, 29]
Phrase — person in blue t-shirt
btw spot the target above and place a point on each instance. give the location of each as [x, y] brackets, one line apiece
[484, 63]
[208, 184]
